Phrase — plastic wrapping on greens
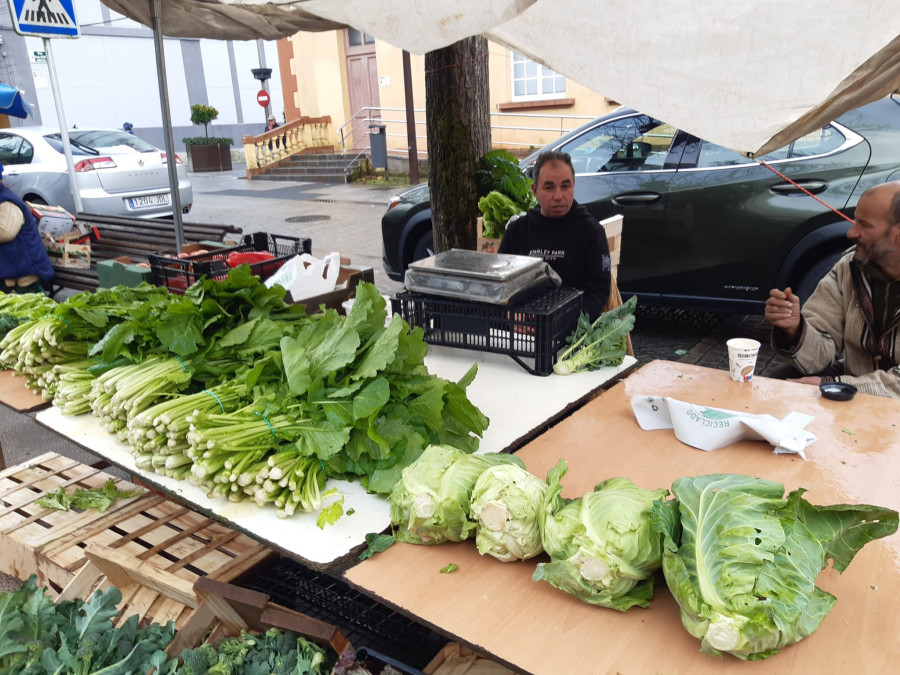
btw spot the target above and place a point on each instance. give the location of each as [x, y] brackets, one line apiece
[602, 546]
[505, 505]
[742, 559]
[430, 504]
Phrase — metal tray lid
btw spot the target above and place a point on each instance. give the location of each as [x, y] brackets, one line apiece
[475, 264]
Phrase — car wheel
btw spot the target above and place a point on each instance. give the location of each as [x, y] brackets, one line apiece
[424, 247]
[814, 274]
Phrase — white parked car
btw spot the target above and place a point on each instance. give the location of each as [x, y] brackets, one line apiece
[118, 174]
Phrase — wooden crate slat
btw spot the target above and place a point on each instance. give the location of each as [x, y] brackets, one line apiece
[138, 532]
[62, 539]
[13, 470]
[185, 559]
[123, 570]
[29, 475]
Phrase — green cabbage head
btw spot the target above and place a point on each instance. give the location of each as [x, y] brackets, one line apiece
[430, 504]
[505, 505]
[602, 546]
[742, 559]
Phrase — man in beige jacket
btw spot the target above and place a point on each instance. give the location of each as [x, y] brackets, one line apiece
[851, 323]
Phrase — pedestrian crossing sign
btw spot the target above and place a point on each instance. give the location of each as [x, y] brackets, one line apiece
[44, 18]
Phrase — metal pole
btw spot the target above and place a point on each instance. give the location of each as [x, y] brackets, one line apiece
[410, 122]
[261, 53]
[63, 127]
[156, 6]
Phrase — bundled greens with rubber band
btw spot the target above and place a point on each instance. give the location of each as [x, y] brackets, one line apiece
[247, 396]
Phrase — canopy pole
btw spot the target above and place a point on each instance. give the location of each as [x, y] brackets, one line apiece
[172, 165]
[63, 127]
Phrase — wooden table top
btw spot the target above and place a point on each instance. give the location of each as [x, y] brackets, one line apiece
[497, 609]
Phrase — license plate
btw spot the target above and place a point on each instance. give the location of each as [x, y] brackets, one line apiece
[148, 201]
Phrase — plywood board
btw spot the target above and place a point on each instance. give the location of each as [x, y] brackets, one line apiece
[14, 394]
[497, 609]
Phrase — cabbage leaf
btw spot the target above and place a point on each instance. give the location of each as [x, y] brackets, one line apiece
[602, 546]
[744, 565]
[506, 500]
[430, 503]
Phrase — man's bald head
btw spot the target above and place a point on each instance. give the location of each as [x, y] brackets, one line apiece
[890, 193]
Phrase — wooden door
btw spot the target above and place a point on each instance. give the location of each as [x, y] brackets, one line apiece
[362, 76]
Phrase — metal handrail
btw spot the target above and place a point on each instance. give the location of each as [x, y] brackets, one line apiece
[355, 123]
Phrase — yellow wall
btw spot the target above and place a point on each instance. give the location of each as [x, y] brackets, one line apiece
[320, 68]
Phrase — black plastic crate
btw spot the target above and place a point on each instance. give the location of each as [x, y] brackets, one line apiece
[363, 621]
[177, 274]
[535, 329]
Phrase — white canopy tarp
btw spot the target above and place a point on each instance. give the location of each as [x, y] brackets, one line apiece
[750, 76]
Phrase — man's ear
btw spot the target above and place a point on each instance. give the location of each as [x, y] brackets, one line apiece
[534, 188]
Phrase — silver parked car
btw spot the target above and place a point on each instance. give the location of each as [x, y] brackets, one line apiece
[118, 174]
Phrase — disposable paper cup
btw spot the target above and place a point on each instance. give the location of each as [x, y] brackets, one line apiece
[742, 353]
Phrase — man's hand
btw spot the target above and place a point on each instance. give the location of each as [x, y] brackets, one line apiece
[783, 311]
[815, 381]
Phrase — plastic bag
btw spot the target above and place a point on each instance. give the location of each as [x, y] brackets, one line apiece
[305, 276]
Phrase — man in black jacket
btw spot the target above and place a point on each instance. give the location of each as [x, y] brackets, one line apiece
[561, 232]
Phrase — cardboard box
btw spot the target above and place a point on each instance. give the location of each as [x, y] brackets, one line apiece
[349, 277]
[482, 243]
[71, 250]
[120, 272]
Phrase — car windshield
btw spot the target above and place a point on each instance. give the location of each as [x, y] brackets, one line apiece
[107, 139]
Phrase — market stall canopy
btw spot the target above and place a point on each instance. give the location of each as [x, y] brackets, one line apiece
[749, 76]
[12, 102]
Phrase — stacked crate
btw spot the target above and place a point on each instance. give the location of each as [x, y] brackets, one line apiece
[72, 552]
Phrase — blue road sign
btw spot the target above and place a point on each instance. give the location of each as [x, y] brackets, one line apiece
[44, 18]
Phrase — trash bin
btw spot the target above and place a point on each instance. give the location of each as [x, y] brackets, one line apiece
[378, 145]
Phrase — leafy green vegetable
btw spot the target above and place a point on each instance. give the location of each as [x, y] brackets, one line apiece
[376, 543]
[598, 344]
[75, 637]
[506, 500]
[430, 504]
[500, 171]
[744, 564]
[274, 652]
[497, 209]
[602, 546]
[503, 190]
[449, 569]
[84, 498]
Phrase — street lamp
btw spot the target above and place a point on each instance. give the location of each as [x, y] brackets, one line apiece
[263, 74]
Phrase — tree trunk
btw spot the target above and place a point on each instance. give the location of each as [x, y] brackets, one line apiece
[459, 133]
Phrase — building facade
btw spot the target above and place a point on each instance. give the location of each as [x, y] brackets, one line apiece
[358, 81]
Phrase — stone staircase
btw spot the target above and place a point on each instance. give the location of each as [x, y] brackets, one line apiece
[315, 167]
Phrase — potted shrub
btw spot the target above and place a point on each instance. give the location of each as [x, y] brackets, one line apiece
[207, 153]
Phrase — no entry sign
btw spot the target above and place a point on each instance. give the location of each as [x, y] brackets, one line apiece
[262, 98]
